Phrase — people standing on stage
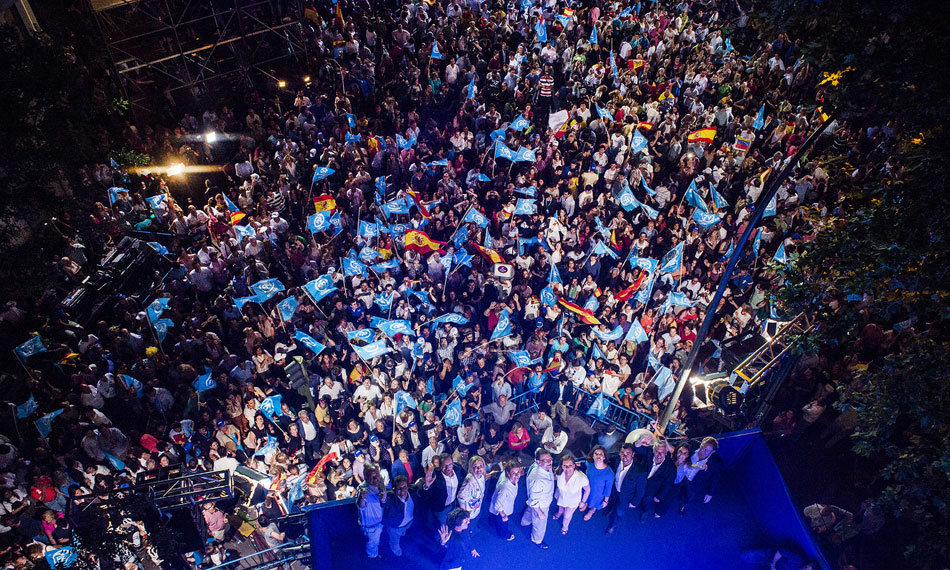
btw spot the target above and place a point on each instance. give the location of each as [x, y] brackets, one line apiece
[601, 478]
[573, 490]
[370, 498]
[455, 537]
[472, 492]
[540, 496]
[440, 487]
[503, 501]
[398, 514]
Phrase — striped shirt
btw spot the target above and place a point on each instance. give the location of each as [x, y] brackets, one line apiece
[546, 84]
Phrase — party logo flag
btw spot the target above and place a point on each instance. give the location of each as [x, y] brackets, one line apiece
[27, 408]
[322, 172]
[267, 288]
[519, 124]
[636, 333]
[541, 30]
[368, 229]
[706, 219]
[397, 206]
[371, 350]
[525, 206]
[320, 287]
[65, 557]
[161, 327]
[365, 335]
[404, 143]
[353, 267]
[44, 424]
[673, 259]
[435, 51]
[310, 342]
[453, 413]
[318, 222]
[639, 142]
[598, 408]
[664, 382]
[473, 216]
[270, 406]
[503, 327]
[603, 114]
[402, 401]
[771, 208]
[204, 382]
[520, 358]
[780, 256]
[287, 308]
[502, 151]
[548, 297]
[613, 335]
[679, 299]
[157, 202]
[525, 155]
[593, 35]
[30, 347]
[394, 327]
[718, 201]
[244, 232]
[759, 121]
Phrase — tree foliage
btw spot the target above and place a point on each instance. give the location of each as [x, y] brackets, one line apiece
[878, 271]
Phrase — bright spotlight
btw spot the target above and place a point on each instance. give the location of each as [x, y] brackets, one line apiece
[306, 79]
[176, 170]
[282, 84]
[211, 137]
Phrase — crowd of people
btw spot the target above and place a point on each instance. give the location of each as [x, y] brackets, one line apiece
[483, 206]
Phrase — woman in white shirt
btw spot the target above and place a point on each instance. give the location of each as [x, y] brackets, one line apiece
[571, 493]
[472, 491]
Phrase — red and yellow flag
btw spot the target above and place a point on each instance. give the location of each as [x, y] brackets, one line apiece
[630, 291]
[568, 12]
[422, 208]
[645, 126]
[420, 242]
[489, 253]
[702, 135]
[324, 202]
[237, 217]
[586, 316]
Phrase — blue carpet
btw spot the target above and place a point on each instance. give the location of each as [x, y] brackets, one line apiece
[709, 537]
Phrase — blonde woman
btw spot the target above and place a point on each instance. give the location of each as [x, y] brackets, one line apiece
[571, 492]
[472, 491]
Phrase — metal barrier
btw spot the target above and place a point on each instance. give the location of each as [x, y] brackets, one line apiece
[283, 553]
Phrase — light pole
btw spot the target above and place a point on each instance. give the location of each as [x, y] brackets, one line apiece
[724, 280]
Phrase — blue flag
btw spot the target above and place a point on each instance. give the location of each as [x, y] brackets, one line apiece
[310, 342]
[597, 354]
[244, 232]
[322, 172]
[232, 207]
[368, 229]
[531, 191]
[679, 299]
[351, 120]
[473, 216]
[460, 236]
[44, 424]
[593, 35]
[520, 358]
[157, 202]
[718, 200]
[365, 335]
[503, 327]
[664, 382]
[267, 288]
[647, 189]
[525, 155]
[368, 254]
[270, 407]
[636, 333]
[441, 162]
[403, 143]
[403, 400]
[394, 327]
[542, 31]
[613, 335]
[604, 114]
[759, 121]
[627, 200]
[319, 287]
[353, 267]
[65, 557]
[692, 198]
[519, 124]
[482, 177]
[114, 194]
[470, 89]
[27, 408]
[435, 51]
[133, 384]
[496, 136]
[525, 206]
[318, 222]
[453, 413]
[384, 301]
[554, 276]
[269, 447]
[770, 208]
[158, 247]
[287, 308]
[161, 327]
[156, 308]
[453, 318]
[397, 206]
[706, 219]
[598, 408]
[502, 151]
[673, 259]
[780, 256]
[371, 350]
[548, 297]
[351, 138]
[116, 463]
[30, 347]
[205, 382]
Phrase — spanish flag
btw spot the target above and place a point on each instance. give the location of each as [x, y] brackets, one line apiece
[702, 135]
[420, 242]
[489, 253]
[568, 12]
[630, 291]
[312, 476]
[645, 126]
[422, 208]
[237, 217]
[339, 15]
[324, 202]
[613, 241]
[586, 316]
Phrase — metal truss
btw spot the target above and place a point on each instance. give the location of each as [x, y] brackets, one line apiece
[753, 369]
[182, 44]
[185, 491]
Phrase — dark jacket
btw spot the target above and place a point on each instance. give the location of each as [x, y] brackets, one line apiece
[394, 510]
[553, 388]
[661, 483]
[707, 480]
[436, 495]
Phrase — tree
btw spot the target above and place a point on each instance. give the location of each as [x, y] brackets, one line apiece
[878, 270]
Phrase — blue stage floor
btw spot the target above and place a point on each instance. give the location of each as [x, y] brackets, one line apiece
[708, 537]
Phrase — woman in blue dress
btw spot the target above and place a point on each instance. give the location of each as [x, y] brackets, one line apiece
[601, 476]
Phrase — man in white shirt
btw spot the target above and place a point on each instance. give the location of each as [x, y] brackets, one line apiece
[503, 501]
[541, 484]
[554, 439]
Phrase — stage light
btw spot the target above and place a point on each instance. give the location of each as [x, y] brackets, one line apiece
[211, 137]
[282, 84]
[306, 79]
[696, 379]
[176, 170]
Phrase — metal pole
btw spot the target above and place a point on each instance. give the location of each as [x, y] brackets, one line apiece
[724, 280]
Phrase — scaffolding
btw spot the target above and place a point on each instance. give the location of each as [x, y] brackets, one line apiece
[180, 48]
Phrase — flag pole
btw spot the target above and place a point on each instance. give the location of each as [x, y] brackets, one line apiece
[730, 268]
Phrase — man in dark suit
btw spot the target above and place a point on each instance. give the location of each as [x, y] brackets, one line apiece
[398, 514]
[558, 395]
[705, 466]
[440, 487]
[626, 483]
[658, 480]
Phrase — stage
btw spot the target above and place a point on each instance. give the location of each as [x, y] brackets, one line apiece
[751, 510]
